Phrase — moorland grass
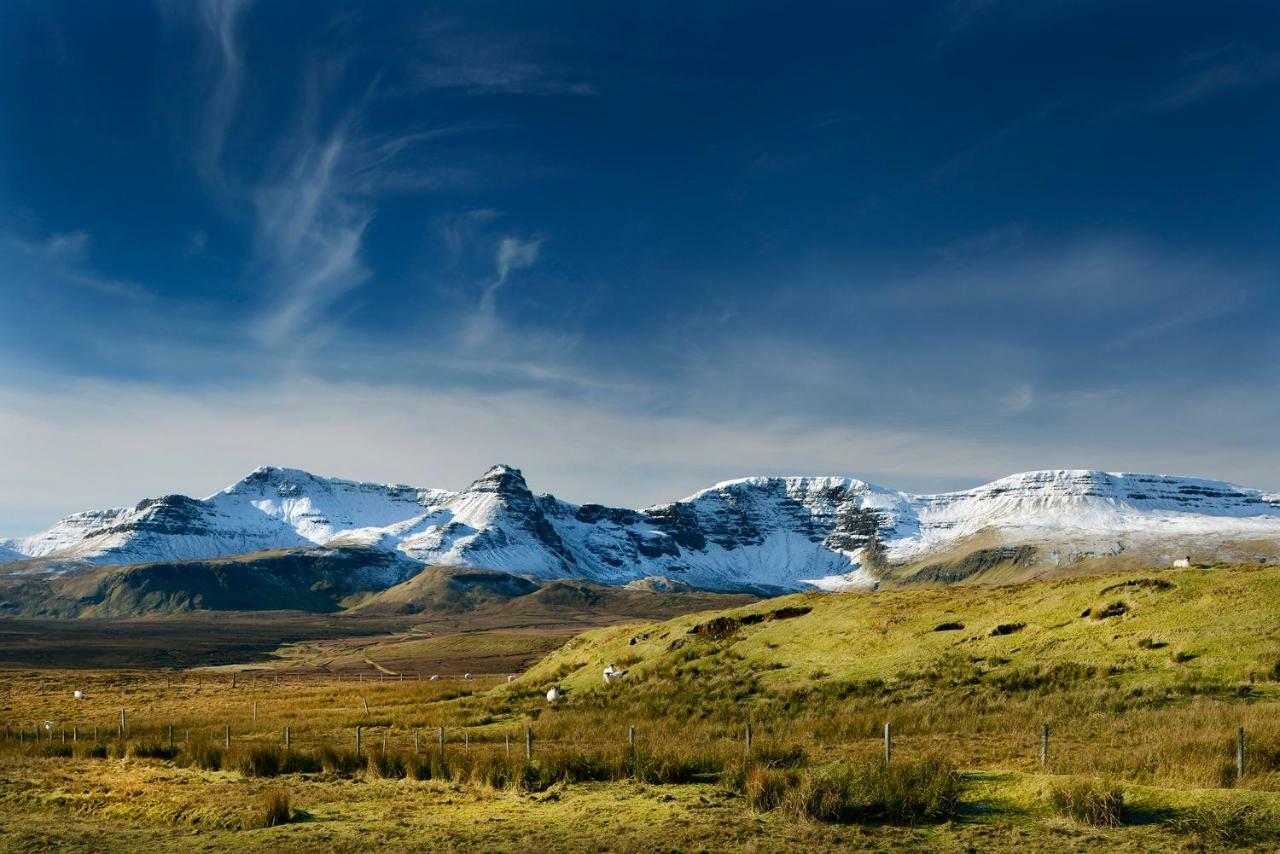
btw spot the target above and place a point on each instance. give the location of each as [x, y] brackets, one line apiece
[816, 685]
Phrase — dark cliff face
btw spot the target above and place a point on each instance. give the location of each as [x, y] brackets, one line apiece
[522, 509]
[171, 514]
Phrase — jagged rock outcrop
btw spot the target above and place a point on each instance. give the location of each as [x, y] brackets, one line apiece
[759, 533]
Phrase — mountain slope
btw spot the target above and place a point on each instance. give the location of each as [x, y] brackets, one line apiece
[1139, 628]
[768, 534]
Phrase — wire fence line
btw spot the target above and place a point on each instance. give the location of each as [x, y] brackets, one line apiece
[513, 741]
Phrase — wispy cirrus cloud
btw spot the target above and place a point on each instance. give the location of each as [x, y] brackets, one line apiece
[512, 254]
[309, 233]
[65, 257]
[486, 64]
[220, 19]
[1215, 72]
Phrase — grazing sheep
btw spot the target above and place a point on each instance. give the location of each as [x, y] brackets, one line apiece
[511, 677]
[611, 673]
[1182, 562]
[49, 725]
[466, 676]
[434, 677]
[79, 695]
[554, 694]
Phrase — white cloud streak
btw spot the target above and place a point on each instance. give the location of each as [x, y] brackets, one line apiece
[512, 254]
[220, 19]
[65, 257]
[309, 234]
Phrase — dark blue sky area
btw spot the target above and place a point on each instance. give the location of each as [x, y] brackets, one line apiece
[1038, 228]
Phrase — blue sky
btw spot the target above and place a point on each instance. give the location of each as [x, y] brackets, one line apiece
[633, 248]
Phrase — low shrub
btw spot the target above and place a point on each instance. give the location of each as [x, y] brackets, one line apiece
[385, 766]
[275, 808]
[904, 793]
[1089, 801]
[1007, 629]
[93, 751]
[765, 787]
[152, 749]
[1109, 609]
[343, 762]
[203, 755]
[927, 790]
[1223, 824]
[257, 760]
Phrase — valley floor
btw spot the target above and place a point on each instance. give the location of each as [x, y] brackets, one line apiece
[1143, 678]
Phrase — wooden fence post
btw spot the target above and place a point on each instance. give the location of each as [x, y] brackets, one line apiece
[466, 740]
[1044, 745]
[442, 741]
[228, 737]
[384, 741]
[357, 739]
[888, 742]
[1239, 753]
[631, 738]
[233, 680]
[365, 700]
[748, 741]
[171, 736]
[507, 739]
[288, 738]
[415, 743]
[255, 711]
[528, 743]
[122, 723]
[75, 734]
[95, 735]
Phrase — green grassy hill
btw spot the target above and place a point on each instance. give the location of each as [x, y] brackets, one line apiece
[1139, 628]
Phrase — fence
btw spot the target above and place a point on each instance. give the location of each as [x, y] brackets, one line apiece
[388, 738]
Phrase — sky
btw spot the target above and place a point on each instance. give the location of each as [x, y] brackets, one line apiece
[633, 249]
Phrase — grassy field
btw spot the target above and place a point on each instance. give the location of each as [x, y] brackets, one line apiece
[1142, 677]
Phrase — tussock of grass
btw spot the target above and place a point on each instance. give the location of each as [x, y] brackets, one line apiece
[927, 790]
[1223, 823]
[1088, 801]
[275, 808]
[152, 749]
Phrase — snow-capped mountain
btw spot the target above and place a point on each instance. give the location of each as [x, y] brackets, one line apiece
[758, 532]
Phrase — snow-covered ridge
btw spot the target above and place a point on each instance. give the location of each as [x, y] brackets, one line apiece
[759, 531]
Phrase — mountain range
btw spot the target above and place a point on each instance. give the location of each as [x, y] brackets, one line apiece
[764, 534]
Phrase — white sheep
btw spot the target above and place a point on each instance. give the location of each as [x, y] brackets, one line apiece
[611, 673]
[79, 695]
[434, 677]
[49, 725]
[466, 676]
[554, 694]
[511, 677]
